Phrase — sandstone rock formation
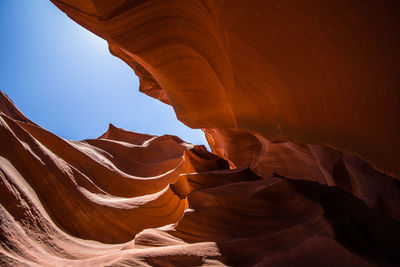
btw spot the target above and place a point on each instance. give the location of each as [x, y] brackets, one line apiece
[299, 101]
[306, 71]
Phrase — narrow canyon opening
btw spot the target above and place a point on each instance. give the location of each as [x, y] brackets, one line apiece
[70, 83]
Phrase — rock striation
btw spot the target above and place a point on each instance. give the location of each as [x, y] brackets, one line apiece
[308, 72]
[129, 199]
[299, 101]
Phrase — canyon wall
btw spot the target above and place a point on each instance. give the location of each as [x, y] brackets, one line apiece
[309, 72]
[299, 101]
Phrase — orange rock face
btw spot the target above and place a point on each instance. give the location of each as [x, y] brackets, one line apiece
[313, 73]
[299, 101]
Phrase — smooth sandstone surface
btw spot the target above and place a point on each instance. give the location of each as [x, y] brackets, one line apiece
[299, 101]
[313, 72]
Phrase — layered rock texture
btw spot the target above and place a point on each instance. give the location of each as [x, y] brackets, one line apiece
[300, 103]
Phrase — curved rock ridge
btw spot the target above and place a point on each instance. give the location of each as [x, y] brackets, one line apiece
[72, 203]
[69, 203]
[106, 189]
[8, 108]
[315, 163]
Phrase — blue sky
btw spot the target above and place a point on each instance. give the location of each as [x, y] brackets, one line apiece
[63, 77]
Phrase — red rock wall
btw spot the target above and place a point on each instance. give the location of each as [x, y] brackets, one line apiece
[309, 72]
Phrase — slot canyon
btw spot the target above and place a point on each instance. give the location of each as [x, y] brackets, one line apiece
[300, 103]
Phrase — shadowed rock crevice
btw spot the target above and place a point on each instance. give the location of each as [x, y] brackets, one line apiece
[341, 176]
[361, 230]
[264, 217]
